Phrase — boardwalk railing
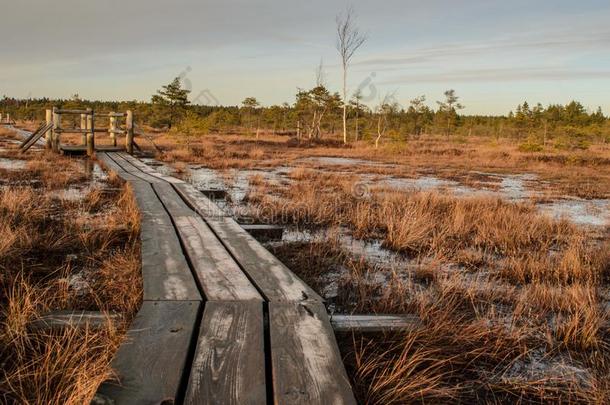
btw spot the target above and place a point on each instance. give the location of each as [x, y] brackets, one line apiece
[222, 321]
[5, 118]
[88, 130]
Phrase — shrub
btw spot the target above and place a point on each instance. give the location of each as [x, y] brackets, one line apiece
[530, 146]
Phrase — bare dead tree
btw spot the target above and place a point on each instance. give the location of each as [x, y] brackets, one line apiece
[349, 39]
[321, 74]
[387, 106]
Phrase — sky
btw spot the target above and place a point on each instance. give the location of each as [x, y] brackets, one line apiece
[494, 53]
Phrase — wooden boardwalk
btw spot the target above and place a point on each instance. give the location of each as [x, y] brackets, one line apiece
[223, 321]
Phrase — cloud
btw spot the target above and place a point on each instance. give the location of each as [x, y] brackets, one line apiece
[501, 75]
[573, 40]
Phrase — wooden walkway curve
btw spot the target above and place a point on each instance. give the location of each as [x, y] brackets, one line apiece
[223, 321]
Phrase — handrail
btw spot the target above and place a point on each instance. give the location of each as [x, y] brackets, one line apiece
[88, 128]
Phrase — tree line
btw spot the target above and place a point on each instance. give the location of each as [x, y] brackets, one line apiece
[317, 113]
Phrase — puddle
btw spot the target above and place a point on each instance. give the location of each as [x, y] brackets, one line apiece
[370, 250]
[581, 212]
[342, 161]
[514, 188]
[12, 164]
[235, 182]
[72, 193]
[94, 171]
[79, 283]
[159, 166]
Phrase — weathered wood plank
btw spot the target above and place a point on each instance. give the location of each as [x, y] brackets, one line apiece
[229, 364]
[306, 363]
[130, 168]
[149, 170]
[174, 204]
[61, 319]
[165, 271]
[75, 149]
[138, 163]
[29, 137]
[33, 138]
[271, 276]
[374, 323]
[110, 164]
[264, 232]
[200, 203]
[151, 362]
[219, 276]
[111, 159]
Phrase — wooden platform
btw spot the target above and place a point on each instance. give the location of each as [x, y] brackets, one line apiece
[82, 149]
[223, 321]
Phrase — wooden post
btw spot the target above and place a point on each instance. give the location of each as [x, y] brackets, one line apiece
[83, 126]
[55, 137]
[8, 118]
[113, 128]
[48, 136]
[91, 133]
[129, 128]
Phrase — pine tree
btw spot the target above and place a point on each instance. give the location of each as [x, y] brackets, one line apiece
[250, 104]
[449, 108]
[173, 100]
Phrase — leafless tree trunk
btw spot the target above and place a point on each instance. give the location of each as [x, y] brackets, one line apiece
[380, 129]
[357, 129]
[349, 39]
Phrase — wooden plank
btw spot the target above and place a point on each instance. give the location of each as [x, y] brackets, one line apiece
[73, 111]
[265, 232]
[34, 138]
[110, 164]
[306, 363]
[149, 170]
[137, 163]
[40, 128]
[142, 167]
[150, 364]
[130, 168]
[61, 319]
[374, 323]
[28, 138]
[81, 148]
[270, 275]
[165, 271]
[172, 200]
[200, 203]
[219, 276]
[229, 364]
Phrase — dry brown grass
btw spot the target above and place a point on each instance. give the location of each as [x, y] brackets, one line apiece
[579, 173]
[510, 300]
[481, 340]
[61, 253]
[513, 240]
